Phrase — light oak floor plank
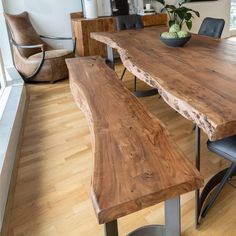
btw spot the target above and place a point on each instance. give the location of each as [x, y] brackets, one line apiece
[51, 193]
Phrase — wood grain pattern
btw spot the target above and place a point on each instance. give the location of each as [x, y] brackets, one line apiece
[75, 15]
[136, 163]
[82, 27]
[197, 80]
[56, 156]
[154, 20]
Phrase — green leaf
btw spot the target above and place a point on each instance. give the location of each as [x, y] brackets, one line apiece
[197, 13]
[188, 16]
[171, 22]
[161, 1]
[180, 14]
[189, 24]
[171, 7]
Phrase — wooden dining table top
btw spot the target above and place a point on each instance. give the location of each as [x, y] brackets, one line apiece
[197, 80]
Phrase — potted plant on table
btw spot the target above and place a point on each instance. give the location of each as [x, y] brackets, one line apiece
[178, 16]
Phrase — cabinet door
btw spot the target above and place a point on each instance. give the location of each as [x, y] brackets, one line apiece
[104, 7]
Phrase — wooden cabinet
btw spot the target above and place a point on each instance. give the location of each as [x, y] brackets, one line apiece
[81, 29]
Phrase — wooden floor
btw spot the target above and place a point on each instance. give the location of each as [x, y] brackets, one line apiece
[51, 193]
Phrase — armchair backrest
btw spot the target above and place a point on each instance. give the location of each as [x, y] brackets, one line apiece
[125, 22]
[212, 27]
[23, 33]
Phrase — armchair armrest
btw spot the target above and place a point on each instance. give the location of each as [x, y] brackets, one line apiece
[61, 38]
[41, 46]
[55, 38]
[27, 46]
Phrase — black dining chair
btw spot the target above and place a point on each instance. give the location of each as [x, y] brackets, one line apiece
[126, 22]
[212, 27]
[225, 148]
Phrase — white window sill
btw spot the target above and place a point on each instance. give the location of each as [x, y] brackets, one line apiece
[10, 101]
[3, 99]
[14, 79]
[10, 130]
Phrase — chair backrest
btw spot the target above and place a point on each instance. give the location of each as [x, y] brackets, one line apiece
[23, 33]
[122, 7]
[212, 27]
[128, 22]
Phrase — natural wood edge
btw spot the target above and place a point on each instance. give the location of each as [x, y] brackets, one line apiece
[104, 216]
[172, 99]
[79, 98]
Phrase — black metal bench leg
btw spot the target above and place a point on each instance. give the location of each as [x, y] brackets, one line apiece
[228, 174]
[172, 225]
[172, 217]
[111, 228]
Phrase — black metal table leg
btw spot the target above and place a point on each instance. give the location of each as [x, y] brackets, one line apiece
[111, 228]
[143, 93]
[135, 83]
[123, 73]
[110, 57]
[140, 93]
[197, 165]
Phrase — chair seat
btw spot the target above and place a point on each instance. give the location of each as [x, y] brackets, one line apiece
[52, 54]
[225, 147]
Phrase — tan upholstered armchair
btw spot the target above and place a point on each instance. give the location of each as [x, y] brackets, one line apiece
[34, 58]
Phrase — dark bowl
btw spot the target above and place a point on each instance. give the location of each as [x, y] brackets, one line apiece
[178, 42]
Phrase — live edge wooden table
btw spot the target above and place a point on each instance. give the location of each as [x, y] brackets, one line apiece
[197, 80]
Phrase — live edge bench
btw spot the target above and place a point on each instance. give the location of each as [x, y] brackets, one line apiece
[136, 163]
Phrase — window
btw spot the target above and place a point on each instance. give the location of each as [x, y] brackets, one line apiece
[233, 15]
[2, 75]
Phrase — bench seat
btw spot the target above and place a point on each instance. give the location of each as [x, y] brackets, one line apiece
[136, 162]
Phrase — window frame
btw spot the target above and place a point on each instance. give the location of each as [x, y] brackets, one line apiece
[3, 79]
[233, 29]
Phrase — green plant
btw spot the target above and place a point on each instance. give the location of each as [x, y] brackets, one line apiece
[179, 14]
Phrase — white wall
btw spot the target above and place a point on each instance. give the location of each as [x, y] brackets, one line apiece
[4, 42]
[50, 17]
[217, 9]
